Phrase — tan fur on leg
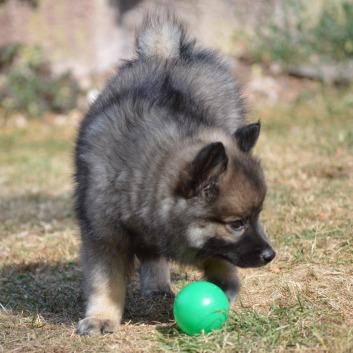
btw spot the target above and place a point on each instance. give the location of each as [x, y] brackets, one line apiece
[106, 276]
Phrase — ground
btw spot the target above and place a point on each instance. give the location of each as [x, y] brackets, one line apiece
[301, 302]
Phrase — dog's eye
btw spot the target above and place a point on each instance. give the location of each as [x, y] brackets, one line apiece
[237, 225]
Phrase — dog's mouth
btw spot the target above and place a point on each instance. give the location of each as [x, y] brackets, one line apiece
[247, 263]
[238, 256]
[258, 263]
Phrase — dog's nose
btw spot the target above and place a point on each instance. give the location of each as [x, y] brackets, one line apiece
[268, 255]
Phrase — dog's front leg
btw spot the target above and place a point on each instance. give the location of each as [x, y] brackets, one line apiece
[224, 275]
[105, 270]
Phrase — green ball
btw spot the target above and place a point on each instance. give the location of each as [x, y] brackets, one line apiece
[200, 306]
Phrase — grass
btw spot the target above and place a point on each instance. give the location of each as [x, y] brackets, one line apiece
[302, 302]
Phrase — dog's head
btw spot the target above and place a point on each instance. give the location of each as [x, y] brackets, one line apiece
[225, 188]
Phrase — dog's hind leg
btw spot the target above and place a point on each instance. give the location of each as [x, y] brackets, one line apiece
[155, 277]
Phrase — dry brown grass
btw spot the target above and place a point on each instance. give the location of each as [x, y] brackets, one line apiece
[302, 302]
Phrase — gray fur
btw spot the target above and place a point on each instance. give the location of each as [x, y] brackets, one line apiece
[161, 174]
[161, 36]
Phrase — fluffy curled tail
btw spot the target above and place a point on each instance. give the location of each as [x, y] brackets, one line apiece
[161, 35]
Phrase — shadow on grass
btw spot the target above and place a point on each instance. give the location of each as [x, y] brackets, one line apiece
[54, 291]
[39, 288]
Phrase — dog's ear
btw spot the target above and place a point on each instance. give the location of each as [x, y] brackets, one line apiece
[203, 172]
[247, 135]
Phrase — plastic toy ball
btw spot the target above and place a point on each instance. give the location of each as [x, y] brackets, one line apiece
[200, 306]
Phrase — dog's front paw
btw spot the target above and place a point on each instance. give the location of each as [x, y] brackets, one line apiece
[232, 293]
[93, 325]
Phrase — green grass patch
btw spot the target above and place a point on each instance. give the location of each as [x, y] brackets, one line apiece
[288, 327]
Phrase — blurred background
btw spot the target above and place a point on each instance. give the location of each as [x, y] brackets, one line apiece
[52, 52]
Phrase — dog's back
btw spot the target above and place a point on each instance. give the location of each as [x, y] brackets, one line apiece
[171, 72]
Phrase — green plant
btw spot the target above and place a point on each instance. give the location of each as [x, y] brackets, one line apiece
[335, 30]
[8, 53]
[28, 86]
[296, 33]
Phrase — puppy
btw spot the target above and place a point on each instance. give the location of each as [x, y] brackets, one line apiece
[164, 171]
